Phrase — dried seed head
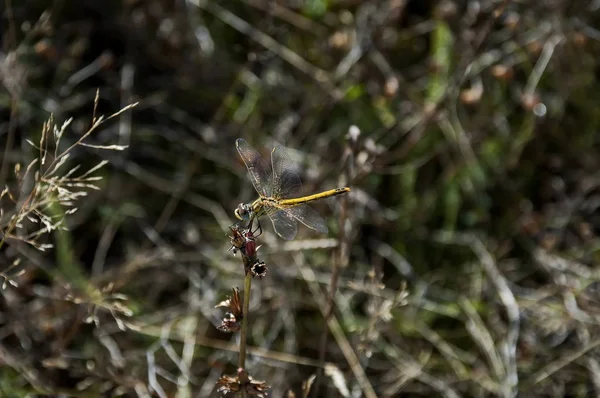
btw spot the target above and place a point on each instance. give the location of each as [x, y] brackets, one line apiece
[45, 48]
[391, 86]
[259, 269]
[232, 320]
[229, 324]
[242, 239]
[502, 72]
[473, 94]
[242, 382]
[228, 384]
[236, 238]
[340, 40]
[233, 303]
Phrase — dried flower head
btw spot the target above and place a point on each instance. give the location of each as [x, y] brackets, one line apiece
[228, 384]
[242, 239]
[236, 238]
[242, 382]
[232, 320]
[230, 324]
[259, 269]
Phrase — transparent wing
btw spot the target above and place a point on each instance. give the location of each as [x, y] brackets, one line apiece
[307, 216]
[283, 223]
[286, 182]
[258, 170]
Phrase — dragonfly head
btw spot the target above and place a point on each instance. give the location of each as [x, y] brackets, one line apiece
[243, 212]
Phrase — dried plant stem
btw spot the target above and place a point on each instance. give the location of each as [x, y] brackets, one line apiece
[340, 261]
[12, 126]
[244, 331]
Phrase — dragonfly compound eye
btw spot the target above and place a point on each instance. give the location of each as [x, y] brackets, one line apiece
[242, 212]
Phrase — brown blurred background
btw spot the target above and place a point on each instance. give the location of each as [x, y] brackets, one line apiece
[467, 130]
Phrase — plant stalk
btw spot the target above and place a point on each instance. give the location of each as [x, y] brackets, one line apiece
[246, 306]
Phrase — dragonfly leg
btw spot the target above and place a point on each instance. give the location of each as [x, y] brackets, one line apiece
[249, 226]
[258, 228]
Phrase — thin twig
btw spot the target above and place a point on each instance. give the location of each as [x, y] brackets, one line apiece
[555, 366]
[244, 331]
[542, 63]
[12, 121]
[12, 125]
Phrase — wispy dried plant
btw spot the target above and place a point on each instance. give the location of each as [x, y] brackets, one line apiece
[29, 209]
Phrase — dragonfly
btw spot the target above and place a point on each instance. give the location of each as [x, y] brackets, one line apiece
[278, 186]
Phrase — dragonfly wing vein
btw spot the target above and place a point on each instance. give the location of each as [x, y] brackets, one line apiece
[286, 182]
[309, 217]
[258, 170]
[284, 224]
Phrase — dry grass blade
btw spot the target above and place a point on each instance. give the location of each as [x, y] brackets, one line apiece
[306, 386]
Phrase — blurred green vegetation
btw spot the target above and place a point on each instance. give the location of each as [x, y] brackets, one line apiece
[474, 181]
